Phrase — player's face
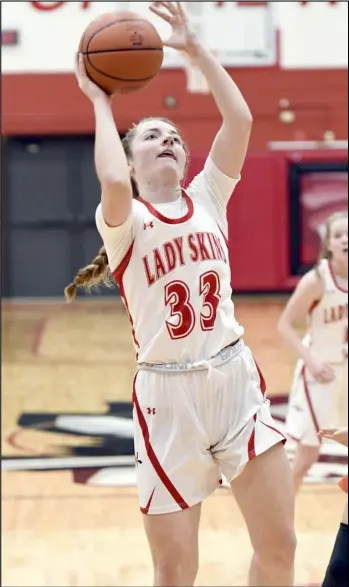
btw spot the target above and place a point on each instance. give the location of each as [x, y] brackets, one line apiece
[157, 148]
[338, 241]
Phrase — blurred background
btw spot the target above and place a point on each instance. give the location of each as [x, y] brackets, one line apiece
[68, 370]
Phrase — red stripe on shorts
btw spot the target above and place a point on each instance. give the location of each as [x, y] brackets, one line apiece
[147, 507]
[263, 384]
[274, 430]
[152, 456]
[251, 448]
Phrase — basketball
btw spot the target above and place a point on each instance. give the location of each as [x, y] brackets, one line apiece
[123, 52]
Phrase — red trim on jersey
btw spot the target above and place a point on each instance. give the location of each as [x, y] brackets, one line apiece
[308, 398]
[163, 218]
[333, 275]
[152, 456]
[118, 275]
[251, 448]
[224, 237]
[263, 384]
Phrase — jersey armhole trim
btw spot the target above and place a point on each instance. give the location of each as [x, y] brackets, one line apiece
[118, 273]
[322, 281]
[223, 235]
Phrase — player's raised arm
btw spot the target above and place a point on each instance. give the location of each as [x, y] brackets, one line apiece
[110, 159]
[229, 148]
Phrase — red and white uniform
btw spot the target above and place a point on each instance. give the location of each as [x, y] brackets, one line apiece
[313, 405]
[199, 399]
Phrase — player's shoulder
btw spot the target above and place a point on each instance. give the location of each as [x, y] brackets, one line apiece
[312, 281]
[137, 209]
[212, 189]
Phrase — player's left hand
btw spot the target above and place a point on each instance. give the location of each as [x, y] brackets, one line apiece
[338, 434]
[183, 37]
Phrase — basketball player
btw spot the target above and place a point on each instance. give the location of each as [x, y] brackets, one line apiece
[199, 399]
[337, 573]
[319, 395]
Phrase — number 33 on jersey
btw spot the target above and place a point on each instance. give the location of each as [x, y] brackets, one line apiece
[175, 284]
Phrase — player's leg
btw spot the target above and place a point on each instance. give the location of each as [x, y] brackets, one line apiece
[175, 471]
[173, 541]
[338, 571]
[264, 493]
[310, 408]
[252, 455]
[305, 457]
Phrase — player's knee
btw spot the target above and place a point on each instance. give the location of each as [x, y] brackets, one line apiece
[179, 568]
[302, 464]
[278, 550]
[300, 469]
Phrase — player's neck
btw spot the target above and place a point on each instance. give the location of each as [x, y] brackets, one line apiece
[340, 269]
[159, 193]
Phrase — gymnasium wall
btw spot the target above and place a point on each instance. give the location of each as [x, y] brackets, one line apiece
[316, 101]
[261, 234]
[301, 98]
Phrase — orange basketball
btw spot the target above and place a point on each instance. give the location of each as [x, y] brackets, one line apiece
[123, 52]
[343, 484]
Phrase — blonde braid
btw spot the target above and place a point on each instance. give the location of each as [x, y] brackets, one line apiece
[92, 275]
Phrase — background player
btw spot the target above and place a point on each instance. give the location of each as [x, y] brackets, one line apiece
[319, 395]
[199, 403]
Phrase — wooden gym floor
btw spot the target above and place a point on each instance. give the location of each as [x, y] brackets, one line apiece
[75, 359]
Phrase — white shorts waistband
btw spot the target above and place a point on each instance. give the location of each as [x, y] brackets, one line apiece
[224, 356]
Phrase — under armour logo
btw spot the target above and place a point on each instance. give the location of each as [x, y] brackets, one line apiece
[148, 225]
[151, 411]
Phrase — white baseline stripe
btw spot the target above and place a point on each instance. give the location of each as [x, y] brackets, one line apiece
[45, 463]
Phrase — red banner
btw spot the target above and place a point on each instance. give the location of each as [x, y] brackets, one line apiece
[321, 195]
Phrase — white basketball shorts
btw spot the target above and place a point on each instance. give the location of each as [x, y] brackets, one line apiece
[314, 405]
[195, 423]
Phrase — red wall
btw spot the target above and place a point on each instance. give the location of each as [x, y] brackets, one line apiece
[54, 104]
[258, 216]
[258, 212]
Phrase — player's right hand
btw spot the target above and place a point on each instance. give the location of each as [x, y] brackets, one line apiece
[86, 85]
[338, 434]
[321, 371]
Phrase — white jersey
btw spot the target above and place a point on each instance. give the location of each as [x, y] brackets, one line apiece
[171, 263]
[328, 332]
